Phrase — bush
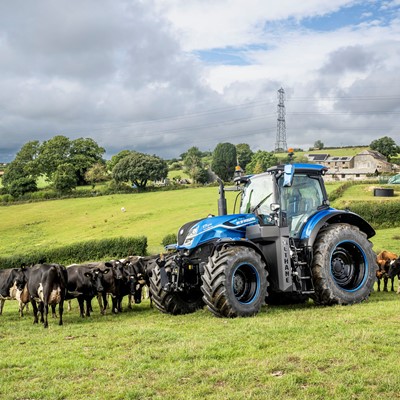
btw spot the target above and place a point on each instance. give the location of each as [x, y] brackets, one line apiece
[380, 215]
[169, 239]
[92, 250]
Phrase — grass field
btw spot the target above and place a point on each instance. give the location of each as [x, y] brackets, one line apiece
[285, 352]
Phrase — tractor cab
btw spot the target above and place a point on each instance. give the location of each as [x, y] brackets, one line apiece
[285, 196]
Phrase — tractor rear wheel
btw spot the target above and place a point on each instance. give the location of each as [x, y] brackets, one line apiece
[343, 267]
[174, 303]
[234, 282]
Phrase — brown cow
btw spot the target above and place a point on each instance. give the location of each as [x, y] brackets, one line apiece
[383, 259]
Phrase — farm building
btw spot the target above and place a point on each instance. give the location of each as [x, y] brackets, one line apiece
[364, 165]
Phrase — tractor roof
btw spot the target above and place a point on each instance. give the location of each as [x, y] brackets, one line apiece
[302, 168]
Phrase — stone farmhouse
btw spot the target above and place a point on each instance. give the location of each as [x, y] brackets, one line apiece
[364, 165]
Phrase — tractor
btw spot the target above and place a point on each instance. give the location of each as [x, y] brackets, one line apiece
[286, 245]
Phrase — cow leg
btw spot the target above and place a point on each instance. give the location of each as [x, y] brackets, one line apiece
[129, 301]
[379, 284]
[61, 311]
[102, 300]
[385, 283]
[69, 305]
[392, 285]
[81, 306]
[35, 311]
[114, 305]
[2, 301]
[45, 311]
[88, 307]
[151, 297]
[53, 311]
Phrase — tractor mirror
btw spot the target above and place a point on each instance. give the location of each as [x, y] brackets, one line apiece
[288, 175]
[275, 207]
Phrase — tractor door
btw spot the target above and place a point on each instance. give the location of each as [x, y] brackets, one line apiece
[301, 200]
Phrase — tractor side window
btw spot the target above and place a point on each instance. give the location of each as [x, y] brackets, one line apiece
[300, 201]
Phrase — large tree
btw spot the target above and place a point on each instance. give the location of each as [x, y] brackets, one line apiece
[224, 161]
[261, 161]
[21, 174]
[386, 146]
[84, 153]
[117, 157]
[244, 154]
[193, 163]
[139, 168]
[64, 178]
[81, 153]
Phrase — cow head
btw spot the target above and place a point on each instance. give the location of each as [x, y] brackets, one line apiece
[96, 278]
[394, 268]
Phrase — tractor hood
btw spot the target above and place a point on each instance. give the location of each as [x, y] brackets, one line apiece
[198, 232]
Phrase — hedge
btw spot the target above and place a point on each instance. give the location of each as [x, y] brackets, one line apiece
[380, 215]
[91, 250]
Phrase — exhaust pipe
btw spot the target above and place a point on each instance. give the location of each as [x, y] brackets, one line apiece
[222, 209]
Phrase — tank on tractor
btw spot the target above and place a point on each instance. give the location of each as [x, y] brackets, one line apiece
[286, 245]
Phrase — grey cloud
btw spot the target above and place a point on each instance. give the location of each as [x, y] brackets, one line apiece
[352, 58]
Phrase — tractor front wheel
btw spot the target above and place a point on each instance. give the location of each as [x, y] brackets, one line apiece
[234, 282]
[343, 267]
[174, 303]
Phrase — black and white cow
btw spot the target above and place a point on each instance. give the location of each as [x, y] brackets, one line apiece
[47, 285]
[85, 281]
[12, 287]
[394, 269]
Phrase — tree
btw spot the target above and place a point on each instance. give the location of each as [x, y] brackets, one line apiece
[244, 154]
[52, 153]
[64, 179]
[139, 168]
[84, 153]
[80, 153]
[386, 146]
[96, 174]
[21, 174]
[318, 145]
[193, 164]
[261, 161]
[117, 157]
[224, 161]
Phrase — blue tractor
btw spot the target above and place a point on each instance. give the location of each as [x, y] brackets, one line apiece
[286, 245]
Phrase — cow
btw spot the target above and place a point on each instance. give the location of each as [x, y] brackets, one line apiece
[383, 260]
[12, 286]
[116, 285]
[84, 282]
[394, 269]
[47, 285]
[142, 269]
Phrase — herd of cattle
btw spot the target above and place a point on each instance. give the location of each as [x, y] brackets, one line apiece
[45, 285]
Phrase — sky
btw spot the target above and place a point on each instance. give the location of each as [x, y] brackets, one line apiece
[161, 76]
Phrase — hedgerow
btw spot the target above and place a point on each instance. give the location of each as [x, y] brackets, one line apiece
[91, 250]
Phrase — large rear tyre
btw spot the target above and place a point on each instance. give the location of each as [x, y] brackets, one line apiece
[234, 282]
[174, 303]
[343, 267]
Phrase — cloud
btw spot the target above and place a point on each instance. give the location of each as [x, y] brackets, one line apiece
[161, 76]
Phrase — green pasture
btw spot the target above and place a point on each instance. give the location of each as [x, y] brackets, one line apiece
[285, 352]
[156, 214]
[59, 222]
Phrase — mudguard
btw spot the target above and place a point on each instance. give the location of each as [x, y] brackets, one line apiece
[329, 216]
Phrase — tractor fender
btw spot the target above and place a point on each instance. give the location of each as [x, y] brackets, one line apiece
[242, 242]
[332, 216]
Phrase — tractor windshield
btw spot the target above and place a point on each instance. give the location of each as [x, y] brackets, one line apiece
[257, 195]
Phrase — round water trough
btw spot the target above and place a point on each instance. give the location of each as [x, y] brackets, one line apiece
[383, 192]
